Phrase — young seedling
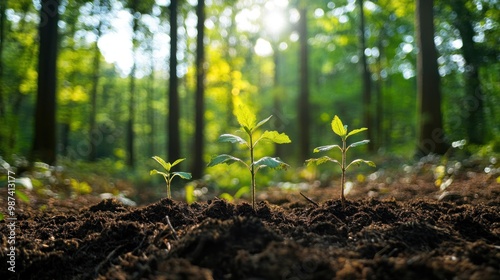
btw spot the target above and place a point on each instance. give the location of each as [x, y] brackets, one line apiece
[341, 130]
[247, 121]
[169, 176]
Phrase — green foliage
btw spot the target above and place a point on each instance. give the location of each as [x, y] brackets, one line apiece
[190, 197]
[248, 122]
[239, 193]
[168, 175]
[341, 130]
[235, 72]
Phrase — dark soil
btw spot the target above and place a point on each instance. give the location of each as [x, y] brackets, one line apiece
[392, 236]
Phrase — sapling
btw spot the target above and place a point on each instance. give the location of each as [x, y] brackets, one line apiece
[341, 130]
[249, 125]
[168, 175]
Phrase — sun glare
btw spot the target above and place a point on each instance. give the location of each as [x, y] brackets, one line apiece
[263, 48]
[275, 19]
[274, 22]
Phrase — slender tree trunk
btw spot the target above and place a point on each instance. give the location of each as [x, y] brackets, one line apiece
[379, 111]
[131, 105]
[430, 124]
[150, 110]
[303, 100]
[66, 130]
[366, 78]
[3, 8]
[4, 131]
[277, 98]
[198, 163]
[388, 112]
[44, 145]
[474, 118]
[93, 98]
[173, 89]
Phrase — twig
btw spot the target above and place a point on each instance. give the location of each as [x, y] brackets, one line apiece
[310, 200]
[172, 228]
[107, 259]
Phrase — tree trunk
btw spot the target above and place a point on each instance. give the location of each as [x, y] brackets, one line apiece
[198, 163]
[277, 99]
[3, 8]
[4, 131]
[379, 105]
[150, 110]
[474, 96]
[173, 87]
[93, 97]
[44, 144]
[303, 100]
[131, 105]
[430, 124]
[366, 78]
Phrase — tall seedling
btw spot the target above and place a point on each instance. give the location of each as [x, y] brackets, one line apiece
[341, 130]
[248, 123]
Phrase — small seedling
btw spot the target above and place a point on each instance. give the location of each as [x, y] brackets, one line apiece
[341, 130]
[230, 198]
[247, 121]
[167, 174]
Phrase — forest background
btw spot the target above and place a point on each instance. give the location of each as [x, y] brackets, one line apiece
[93, 84]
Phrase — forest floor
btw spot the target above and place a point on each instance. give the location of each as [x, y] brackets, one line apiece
[403, 229]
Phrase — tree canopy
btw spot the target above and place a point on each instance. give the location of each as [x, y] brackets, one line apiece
[302, 61]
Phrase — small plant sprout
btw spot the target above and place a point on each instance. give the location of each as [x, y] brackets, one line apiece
[341, 130]
[169, 176]
[247, 121]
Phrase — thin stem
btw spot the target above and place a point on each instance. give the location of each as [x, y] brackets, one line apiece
[343, 166]
[252, 171]
[169, 181]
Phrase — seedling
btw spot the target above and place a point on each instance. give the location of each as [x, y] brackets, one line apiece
[169, 176]
[247, 121]
[341, 130]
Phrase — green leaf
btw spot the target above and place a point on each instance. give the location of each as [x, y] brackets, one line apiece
[241, 191]
[165, 165]
[190, 197]
[356, 131]
[276, 137]
[355, 144]
[231, 138]
[177, 162]
[154, 171]
[246, 118]
[226, 196]
[271, 162]
[22, 196]
[359, 161]
[321, 160]
[262, 122]
[247, 130]
[338, 127]
[228, 159]
[326, 148]
[183, 175]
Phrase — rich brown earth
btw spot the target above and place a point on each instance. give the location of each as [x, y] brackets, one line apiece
[412, 231]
